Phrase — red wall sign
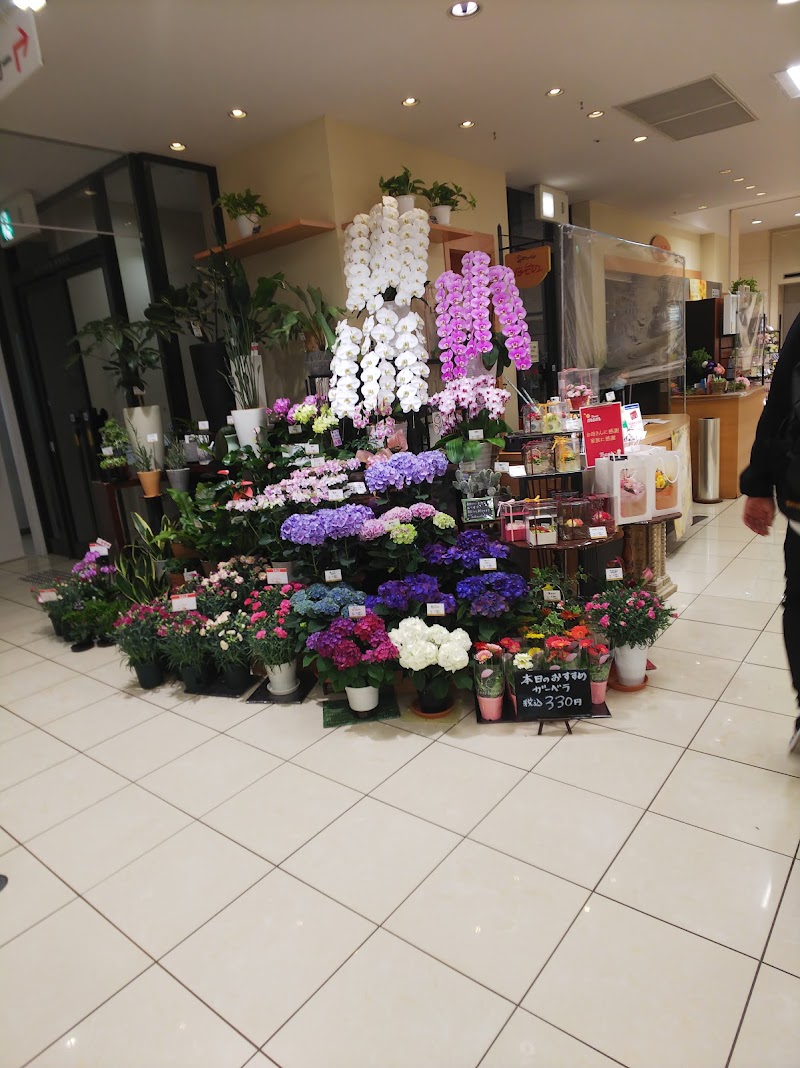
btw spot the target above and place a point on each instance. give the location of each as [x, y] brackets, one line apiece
[602, 431]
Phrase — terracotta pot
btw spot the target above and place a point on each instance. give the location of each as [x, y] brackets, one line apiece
[182, 551]
[176, 580]
[150, 482]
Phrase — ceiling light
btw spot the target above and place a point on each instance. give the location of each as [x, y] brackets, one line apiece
[410, 102]
[761, 194]
[595, 114]
[467, 124]
[638, 140]
[726, 171]
[756, 222]
[554, 92]
[749, 187]
[463, 11]
[90, 193]
[177, 146]
[797, 215]
[794, 74]
[702, 207]
[30, 5]
[787, 1]
[738, 179]
[237, 113]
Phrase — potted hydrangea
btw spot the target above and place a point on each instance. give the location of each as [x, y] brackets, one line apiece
[435, 658]
[356, 655]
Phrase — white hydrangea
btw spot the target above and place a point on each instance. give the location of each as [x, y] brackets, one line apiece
[452, 657]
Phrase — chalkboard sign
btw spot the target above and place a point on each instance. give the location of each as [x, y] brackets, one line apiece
[553, 694]
[476, 509]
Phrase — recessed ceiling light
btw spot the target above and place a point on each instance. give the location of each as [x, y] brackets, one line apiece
[463, 11]
[638, 140]
[467, 124]
[756, 222]
[726, 171]
[749, 187]
[90, 192]
[410, 102]
[797, 215]
[177, 146]
[595, 114]
[738, 179]
[554, 92]
[237, 113]
[30, 5]
[761, 194]
[702, 207]
[787, 1]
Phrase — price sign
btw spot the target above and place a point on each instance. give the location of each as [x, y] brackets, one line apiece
[487, 563]
[602, 431]
[295, 428]
[552, 694]
[102, 541]
[597, 532]
[100, 549]
[357, 611]
[183, 602]
[611, 397]
[335, 495]
[336, 439]
[107, 450]
[552, 596]
[334, 575]
[357, 488]
[277, 576]
[502, 467]
[203, 424]
[43, 596]
[229, 420]
[476, 435]
[317, 461]
[152, 438]
[476, 509]
[312, 450]
[614, 574]
[434, 609]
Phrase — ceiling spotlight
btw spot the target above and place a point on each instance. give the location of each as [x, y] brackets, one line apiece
[761, 194]
[726, 171]
[749, 187]
[638, 140]
[554, 92]
[738, 179]
[237, 113]
[467, 124]
[797, 215]
[410, 102]
[30, 5]
[787, 1]
[463, 11]
[756, 222]
[177, 146]
[90, 192]
[595, 114]
[702, 207]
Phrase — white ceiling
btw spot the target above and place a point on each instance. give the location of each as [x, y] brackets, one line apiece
[133, 75]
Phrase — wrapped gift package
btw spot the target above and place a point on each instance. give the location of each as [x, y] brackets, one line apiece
[629, 484]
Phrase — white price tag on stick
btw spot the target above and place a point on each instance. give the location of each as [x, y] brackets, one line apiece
[44, 596]
[357, 488]
[614, 574]
[152, 438]
[107, 450]
[597, 532]
[277, 576]
[357, 611]
[203, 424]
[487, 563]
[476, 435]
[98, 549]
[336, 495]
[183, 602]
[552, 596]
[312, 450]
[334, 575]
[434, 609]
[502, 467]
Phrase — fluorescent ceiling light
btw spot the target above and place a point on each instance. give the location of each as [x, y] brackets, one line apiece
[789, 80]
[794, 74]
[738, 179]
[726, 171]
[638, 140]
[237, 113]
[702, 207]
[463, 11]
[761, 194]
[756, 222]
[797, 215]
[782, 2]
[548, 205]
[410, 102]
[30, 5]
[177, 146]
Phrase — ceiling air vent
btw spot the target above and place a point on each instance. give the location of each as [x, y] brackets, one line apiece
[690, 110]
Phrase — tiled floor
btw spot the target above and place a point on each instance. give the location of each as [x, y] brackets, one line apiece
[209, 884]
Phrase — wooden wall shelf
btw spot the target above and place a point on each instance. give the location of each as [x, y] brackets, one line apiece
[272, 237]
[440, 235]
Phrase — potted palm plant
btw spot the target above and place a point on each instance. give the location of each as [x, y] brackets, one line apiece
[128, 354]
[446, 197]
[403, 187]
[245, 209]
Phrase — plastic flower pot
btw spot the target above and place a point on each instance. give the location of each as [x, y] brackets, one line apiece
[248, 422]
[82, 646]
[246, 225]
[150, 482]
[178, 478]
[58, 626]
[236, 677]
[577, 403]
[362, 699]
[149, 675]
[631, 664]
[430, 706]
[491, 708]
[194, 676]
[598, 691]
[441, 214]
[282, 678]
[405, 203]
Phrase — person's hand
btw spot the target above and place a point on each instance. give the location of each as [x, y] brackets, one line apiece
[759, 513]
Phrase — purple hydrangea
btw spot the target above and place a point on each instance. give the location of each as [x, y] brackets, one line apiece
[470, 547]
[400, 595]
[504, 588]
[405, 469]
[333, 523]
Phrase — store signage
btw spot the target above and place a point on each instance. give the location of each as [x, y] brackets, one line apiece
[531, 266]
[476, 435]
[595, 533]
[20, 54]
[357, 488]
[312, 450]
[434, 608]
[336, 495]
[553, 694]
[552, 596]
[602, 431]
[46, 595]
[502, 467]
[614, 574]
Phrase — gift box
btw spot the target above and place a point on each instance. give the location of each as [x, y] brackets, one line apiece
[626, 480]
[513, 516]
[542, 524]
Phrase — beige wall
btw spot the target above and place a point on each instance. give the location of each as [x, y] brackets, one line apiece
[618, 222]
[715, 258]
[768, 256]
[785, 260]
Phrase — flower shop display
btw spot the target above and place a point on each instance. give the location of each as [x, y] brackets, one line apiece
[717, 384]
[354, 655]
[478, 485]
[230, 649]
[140, 632]
[567, 454]
[396, 540]
[579, 396]
[740, 384]
[488, 603]
[517, 661]
[436, 658]
[578, 386]
[490, 680]
[471, 412]
[403, 470]
[472, 550]
[631, 618]
[513, 516]
[187, 648]
[113, 451]
[573, 518]
[542, 524]
[175, 465]
[665, 479]
[89, 622]
[325, 540]
[554, 416]
[274, 641]
[411, 596]
[624, 480]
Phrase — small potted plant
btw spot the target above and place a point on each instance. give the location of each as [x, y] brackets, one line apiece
[146, 468]
[579, 395]
[718, 384]
[436, 659]
[187, 647]
[599, 655]
[740, 384]
[274, 639]
[518, 661]
[354, 655]
[489, 676]
[631, 618]
[114, 452]
[140, 632]
[230, 648]
[447, 197]
[175, 465]
[174, 570]
[403, 188]
[245, 209]
[79, 625]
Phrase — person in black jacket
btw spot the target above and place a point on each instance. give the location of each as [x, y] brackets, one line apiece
[762, 480]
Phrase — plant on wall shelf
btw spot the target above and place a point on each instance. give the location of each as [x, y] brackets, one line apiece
[243, 205]
[401, 185]
[751, 282]
[447, 195]
[125, 349]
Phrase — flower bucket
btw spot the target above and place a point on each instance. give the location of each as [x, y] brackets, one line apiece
[406, 203]
[441, 214]
[149, 675]
[491, 707]
[282, 678]
[248, 422]
[428, 706]
[179, 478]
[362, 699]
[599, 691]
[631, 664]
[150, 482]
[236, 677]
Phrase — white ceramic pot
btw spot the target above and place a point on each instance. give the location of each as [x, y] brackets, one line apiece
[631, 661]
[142, 421]
[282, 678]
[246, 223]
[441, 214]
[405, 203]
[362, 698]
[179, 478]
[248, 422]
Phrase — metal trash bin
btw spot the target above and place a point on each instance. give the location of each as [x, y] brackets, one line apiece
[708, 444]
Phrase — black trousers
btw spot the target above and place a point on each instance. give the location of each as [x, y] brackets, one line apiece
[791, 606]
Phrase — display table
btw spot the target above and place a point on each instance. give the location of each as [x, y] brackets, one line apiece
[738, 414]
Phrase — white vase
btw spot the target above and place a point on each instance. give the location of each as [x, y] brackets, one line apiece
[246, 223]
[282, 678]
[405, 203]
[362, 698]
[140, 422]
[248, 422]
[441, 214]
[631, 661]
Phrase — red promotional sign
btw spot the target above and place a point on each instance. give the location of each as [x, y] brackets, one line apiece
[602, 431]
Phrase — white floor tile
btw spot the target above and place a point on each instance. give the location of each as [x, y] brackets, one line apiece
[769, 651]
[489, 916]
[283, 730]
[152, 744]
[766, 551]
[528, 1042]
[463, 706]
[30, 680]
[663, 715]
[612, 763]
[744, 581]
[28, 754]
[265, 954]
[219, 713]
[783, 950]
[701, 547]
[12, 726]
[707, 639]
[282, 811]
[90, 659]
[691, 673]
[775, 625]
[770, 1035]
[362, 756]
[171, 890]
[729, 612]
[517, 744]
[750, 736]
[16, 660]
[679, 602]
[746, 803]
[695, 563]
[713, 535]
[769, 689]
[31, 894]
[449, 787]
[57, 701]
[372, 857]
[87, 962]
[566, 831]
[620, 980]
[153, 1021]
[101, 720]
[6, 842]
[691, 582]
[446, 1019]
[104, 838]
[708, 884]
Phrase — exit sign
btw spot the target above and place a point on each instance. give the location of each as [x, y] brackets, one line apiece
[20, 54]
